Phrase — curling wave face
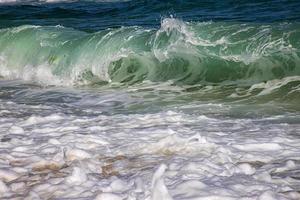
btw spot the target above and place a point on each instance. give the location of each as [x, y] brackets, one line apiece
[186, 53]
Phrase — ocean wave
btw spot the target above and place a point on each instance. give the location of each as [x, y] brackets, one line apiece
[185, 52]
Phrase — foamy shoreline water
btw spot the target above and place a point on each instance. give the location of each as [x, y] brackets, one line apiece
[66, 149]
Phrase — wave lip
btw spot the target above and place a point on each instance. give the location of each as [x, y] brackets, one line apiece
[184, 52]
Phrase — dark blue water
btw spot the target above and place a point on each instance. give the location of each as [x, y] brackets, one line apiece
[97, 15]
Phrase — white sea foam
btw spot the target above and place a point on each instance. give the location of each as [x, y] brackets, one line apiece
[71, 150]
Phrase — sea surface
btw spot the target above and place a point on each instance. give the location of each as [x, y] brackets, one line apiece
[149, 100]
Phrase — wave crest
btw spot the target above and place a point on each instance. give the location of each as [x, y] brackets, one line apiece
[185, 52]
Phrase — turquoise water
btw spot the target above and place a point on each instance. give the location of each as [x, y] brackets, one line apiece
[149, 100]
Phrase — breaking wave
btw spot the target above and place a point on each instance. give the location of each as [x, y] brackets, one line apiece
[185, 52]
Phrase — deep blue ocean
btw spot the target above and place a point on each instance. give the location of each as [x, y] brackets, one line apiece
[150, 100]
[93, 15]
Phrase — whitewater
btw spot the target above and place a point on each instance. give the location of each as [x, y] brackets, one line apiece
[138, 100]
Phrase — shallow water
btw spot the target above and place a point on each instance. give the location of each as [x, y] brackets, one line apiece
[82, 142]
[203, 104]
